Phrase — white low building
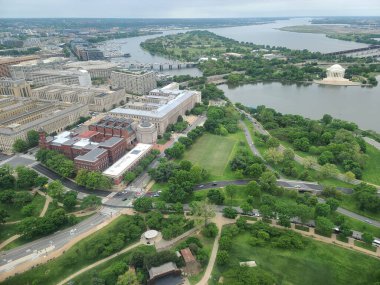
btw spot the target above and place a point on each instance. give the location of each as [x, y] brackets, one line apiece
[127, 162]
[335, 76]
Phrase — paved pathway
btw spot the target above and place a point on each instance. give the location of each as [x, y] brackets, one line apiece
[372, 142]
[72, 276]
[43, 212]
[259, 128]
[220, 221]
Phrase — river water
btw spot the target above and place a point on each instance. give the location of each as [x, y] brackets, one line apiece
[352, 103]
[356, 104]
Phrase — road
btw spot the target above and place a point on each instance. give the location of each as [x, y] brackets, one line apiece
[372, 142]
[67, 182]
[112, 203]
[260, 129]
[30, 251]
[289, 184]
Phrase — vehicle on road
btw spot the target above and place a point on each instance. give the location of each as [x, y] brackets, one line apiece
[368, 221]
[214, 183]
[297, 186]
[376, 242]
[201, 186]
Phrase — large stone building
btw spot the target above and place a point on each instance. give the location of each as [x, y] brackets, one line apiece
[89, 150]
[160, 108]
[22, 70]
[115, 127]
[20, 115]
[66, 77]
[127, 162]
[97, 99]
[335, 76]
[96, 68]
[17, 87]
[139, 83]
[5, 62]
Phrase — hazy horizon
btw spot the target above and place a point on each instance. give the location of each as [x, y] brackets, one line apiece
[163, 9]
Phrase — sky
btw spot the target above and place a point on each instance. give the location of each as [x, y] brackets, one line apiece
[185, 8]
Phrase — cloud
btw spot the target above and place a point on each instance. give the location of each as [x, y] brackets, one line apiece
[185, 8]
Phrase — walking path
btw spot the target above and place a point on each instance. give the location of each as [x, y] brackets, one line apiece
[64, 281]
[220, 221]
[259, 128]
[372, 142]
[48, 200]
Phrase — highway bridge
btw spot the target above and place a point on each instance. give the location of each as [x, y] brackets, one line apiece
[370, 51]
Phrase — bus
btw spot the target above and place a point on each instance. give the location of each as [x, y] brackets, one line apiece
[376, 242]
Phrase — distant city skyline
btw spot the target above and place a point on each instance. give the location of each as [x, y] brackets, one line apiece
[185, 9]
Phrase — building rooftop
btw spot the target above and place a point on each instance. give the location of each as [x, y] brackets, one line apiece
[120, 166]
[88, 134]
[162, 269]
[161, 111]
[62, 137]
[111, 142]
[91, 64]
[187, 255]
[92, 155]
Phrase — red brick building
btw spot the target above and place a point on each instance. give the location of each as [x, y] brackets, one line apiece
[89, 150]
[115, 127]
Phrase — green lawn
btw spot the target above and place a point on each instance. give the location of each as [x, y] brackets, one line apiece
[102, 271]
[52, 272]
[6, 231]
[213, 153]
[371, 172]
[15, 212]
[348, 202]
[317, 264]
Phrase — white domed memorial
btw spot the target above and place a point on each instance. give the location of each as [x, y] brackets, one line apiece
[335, 76]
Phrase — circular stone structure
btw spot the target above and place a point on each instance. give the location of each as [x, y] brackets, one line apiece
[151, 234]
[146, 132]
[335, 76]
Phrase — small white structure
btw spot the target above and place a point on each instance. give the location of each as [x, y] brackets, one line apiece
[335, 76]
[248, 263]
[151, 237]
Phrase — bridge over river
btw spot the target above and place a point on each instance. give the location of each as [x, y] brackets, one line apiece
[370, 51]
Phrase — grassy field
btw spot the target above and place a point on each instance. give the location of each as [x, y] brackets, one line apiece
[317, 264]
[86, 278]
[50, 273]
[6, 231]
[371, 172]
[15, 212]
[214, 152]
[348, 202]
[313, 173]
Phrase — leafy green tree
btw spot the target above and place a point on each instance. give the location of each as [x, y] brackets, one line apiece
[70, 200]
[273, 155]
[210, 230]
[129, 176]
[143, 204]
[302, 144]
[7, 180]
[3, 215]
[324, 226]
[267, 181]
[128, 278]
[322, 210]
[25, 177]
[55, 189]
[367, 237]
[366, 197]
[222, 257]
[230, 213]
[231, 192]
[41, 181]
[246, 207]
[22, 198]
[91, 201]
[32, 138]
[203, 210]
[28, 210]
[329, 170]
[20, 146]
[333, 203]
[215, 196]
